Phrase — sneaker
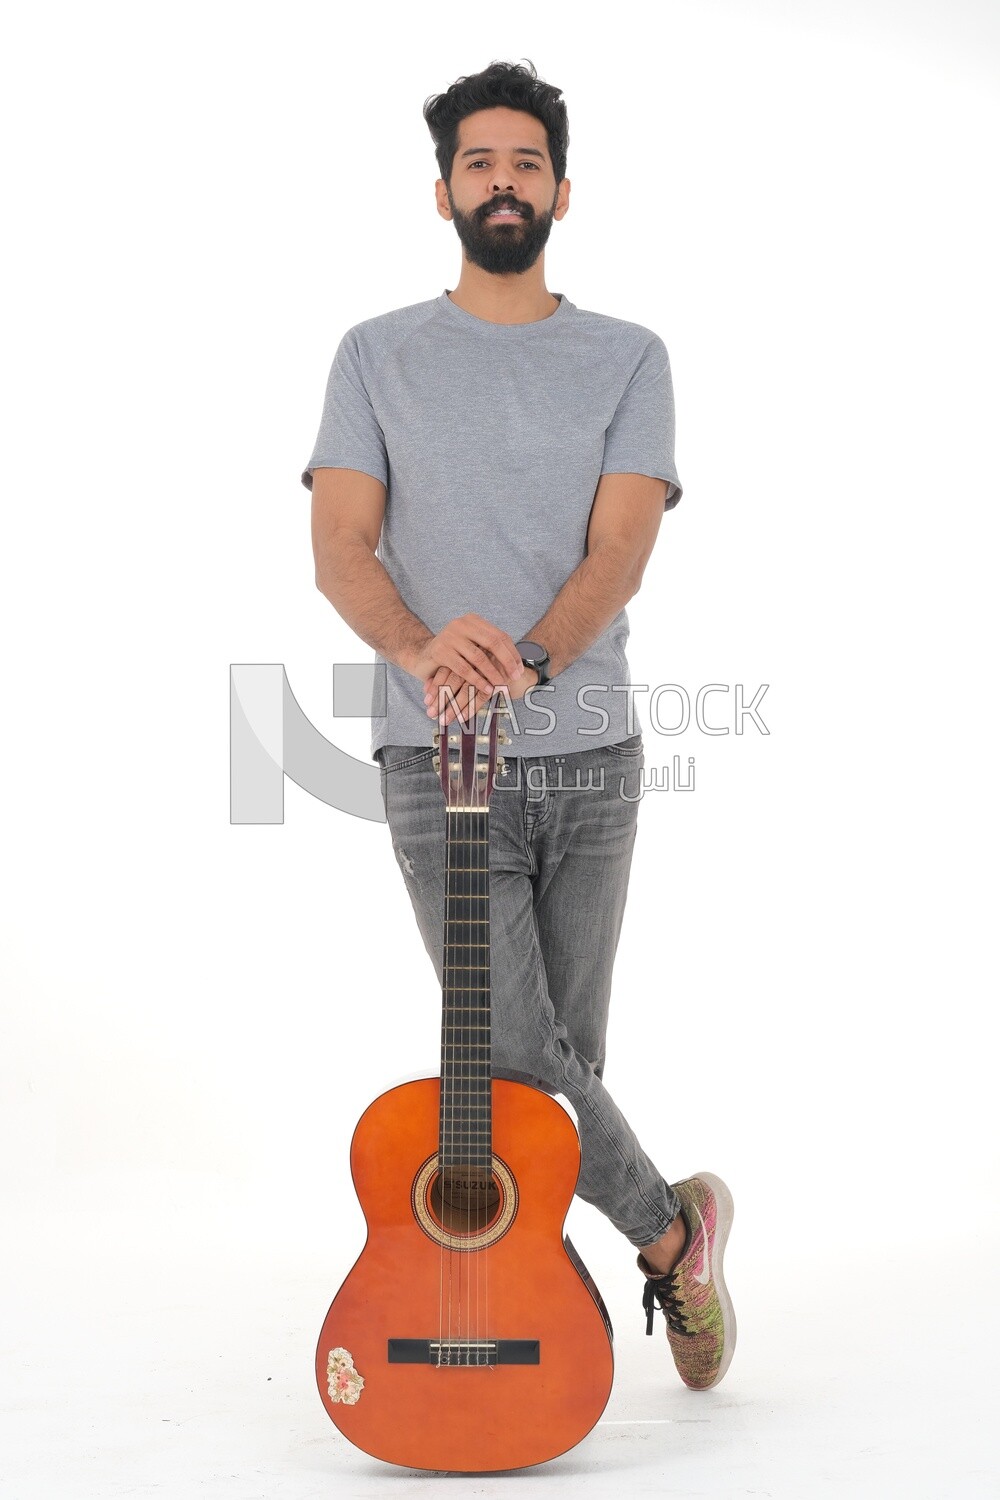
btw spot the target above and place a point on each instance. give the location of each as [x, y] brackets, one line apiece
[701, 1324]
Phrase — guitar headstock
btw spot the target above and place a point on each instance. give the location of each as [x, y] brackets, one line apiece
[466, 758]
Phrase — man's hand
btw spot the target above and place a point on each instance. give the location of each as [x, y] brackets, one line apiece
[441, 707]
[468, 650]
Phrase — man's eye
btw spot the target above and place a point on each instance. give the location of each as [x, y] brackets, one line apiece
[532, 164]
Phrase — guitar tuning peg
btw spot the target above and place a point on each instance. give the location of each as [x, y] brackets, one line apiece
[500, 762]
[436, 736]
[503, 738]
[436, 762]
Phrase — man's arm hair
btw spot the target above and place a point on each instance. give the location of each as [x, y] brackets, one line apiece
[347, 514]
[624, 521]
[347, 511]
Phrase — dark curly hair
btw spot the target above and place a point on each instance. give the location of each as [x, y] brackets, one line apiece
[502, 84]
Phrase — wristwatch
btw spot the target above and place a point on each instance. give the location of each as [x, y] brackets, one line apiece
[534, 655]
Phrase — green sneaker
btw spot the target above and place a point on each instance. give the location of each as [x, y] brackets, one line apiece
[701, 1324]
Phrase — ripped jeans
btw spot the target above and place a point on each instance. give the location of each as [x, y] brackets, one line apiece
[560, 856]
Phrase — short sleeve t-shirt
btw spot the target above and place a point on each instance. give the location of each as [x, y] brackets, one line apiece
[490, 439]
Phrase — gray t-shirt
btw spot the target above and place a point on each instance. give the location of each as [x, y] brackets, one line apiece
[490, 439]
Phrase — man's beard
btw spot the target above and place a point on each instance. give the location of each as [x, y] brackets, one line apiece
[502, 249]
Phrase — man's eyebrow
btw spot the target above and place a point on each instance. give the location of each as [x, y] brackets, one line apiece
[518, 151]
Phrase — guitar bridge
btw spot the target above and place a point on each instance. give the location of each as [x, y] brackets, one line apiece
[464, 1353]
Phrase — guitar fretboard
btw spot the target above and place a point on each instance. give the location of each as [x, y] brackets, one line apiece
[466, 1133]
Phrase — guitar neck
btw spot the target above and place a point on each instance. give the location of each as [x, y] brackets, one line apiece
[466, 1126]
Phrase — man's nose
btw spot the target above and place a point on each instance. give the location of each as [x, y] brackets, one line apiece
[503, 182]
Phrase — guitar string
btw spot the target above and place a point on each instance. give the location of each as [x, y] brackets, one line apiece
[469, 1031]
[475, 1070]
[475, 970]
[454, 1104]
[462, 992]
[444, 1091]
[445, 762]
[484, 1037]
[470, 1035]
[484, 1049]
[487, 951]
[445, 1098]
[485, 1072]
[446, 1101]
[465, 990]
[477, 825]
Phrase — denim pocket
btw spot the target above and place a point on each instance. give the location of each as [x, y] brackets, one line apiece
[626, 748]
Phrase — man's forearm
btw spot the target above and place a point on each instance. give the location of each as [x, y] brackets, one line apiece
[363, 594]
[592, 596]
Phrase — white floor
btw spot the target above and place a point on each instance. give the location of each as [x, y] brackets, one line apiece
[167, 1357]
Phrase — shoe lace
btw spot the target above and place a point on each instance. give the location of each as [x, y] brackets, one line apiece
[663, 1290]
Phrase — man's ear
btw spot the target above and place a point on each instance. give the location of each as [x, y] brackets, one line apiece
[441, 196]
[562, 199]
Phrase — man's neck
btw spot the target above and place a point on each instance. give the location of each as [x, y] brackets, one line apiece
[504, 299]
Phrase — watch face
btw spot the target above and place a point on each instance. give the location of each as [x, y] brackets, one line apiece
[531, 650]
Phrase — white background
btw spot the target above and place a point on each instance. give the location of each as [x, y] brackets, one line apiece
[801, 200]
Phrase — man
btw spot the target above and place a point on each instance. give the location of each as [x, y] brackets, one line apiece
[488, 481]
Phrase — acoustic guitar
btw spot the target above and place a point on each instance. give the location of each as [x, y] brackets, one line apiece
[468, 1337]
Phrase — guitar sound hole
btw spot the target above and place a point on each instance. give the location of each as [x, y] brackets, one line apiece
[465, 1200]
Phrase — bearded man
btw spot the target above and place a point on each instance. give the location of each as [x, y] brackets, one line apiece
[490, 474]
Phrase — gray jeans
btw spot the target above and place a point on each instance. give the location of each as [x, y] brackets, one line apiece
[559, 865]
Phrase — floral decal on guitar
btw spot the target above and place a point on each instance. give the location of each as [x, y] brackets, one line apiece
[343, 1381]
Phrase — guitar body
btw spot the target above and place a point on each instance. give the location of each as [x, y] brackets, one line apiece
[482, 1346]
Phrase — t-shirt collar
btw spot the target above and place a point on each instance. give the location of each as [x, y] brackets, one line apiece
[506, 330]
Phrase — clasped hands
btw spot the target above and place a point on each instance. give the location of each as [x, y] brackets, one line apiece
[469, 654]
